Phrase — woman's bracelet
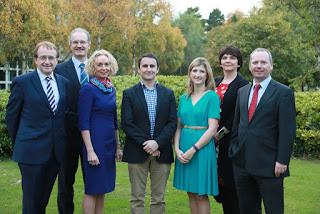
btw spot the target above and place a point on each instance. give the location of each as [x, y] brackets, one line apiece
[195, 148]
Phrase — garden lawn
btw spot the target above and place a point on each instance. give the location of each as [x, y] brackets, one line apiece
[302, 191]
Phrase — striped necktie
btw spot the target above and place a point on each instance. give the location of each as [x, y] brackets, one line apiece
[50, 95]
[83, 74]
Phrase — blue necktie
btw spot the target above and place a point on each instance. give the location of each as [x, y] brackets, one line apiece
[83, 74]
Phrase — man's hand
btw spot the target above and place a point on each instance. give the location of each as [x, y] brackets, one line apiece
[156, 153]
[279, 169]
[150, 146]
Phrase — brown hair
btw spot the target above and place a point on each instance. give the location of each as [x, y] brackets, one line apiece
[47, 45]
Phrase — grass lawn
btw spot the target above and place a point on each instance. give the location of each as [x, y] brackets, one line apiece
[302, 191]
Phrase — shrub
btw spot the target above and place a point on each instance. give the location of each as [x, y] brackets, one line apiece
[307, 142]
[308, 124]
[5, 142]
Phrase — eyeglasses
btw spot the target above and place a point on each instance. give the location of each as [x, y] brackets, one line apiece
[81, 42]
[44, 58]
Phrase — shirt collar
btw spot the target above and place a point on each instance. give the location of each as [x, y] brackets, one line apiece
[264, 83]
[153, 87]
[76, 62]
[42, 76]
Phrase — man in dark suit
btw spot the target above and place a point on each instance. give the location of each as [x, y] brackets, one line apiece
[73, 70]
[148, 118]
[263, 134]
[35, 120]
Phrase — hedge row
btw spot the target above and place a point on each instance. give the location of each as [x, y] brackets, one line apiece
[307, 143]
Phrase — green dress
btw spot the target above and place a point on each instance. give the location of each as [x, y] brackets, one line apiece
[200, 174]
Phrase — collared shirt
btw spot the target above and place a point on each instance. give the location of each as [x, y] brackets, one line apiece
[263, 86]
[76, 64]
[53, 83]
[150, 95]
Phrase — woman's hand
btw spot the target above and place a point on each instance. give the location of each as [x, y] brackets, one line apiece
[188, 155]
[93, 158]
[156, 153]
[118, 154]
[181, 157]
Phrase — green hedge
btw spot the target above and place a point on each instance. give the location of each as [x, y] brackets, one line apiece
[307, 142]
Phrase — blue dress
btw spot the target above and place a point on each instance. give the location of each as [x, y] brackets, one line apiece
[200, 174]
[97, 113]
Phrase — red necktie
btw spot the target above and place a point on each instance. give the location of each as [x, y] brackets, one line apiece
[254, 101]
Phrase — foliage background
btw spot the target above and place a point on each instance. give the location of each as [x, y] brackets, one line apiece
[128, 28]
[307, 143]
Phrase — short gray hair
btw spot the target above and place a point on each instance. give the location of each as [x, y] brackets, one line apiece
[79, 29]
[262, 50]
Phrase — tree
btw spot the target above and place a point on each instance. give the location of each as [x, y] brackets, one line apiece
[305, 17]
[292, 56]
[192, 29]
[216, 18]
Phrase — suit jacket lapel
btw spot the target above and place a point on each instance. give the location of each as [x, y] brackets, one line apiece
[266, 96]
[246, 93]
[60, 91]
[38, 86]
[73, 73]
[160, 97]
[142, 99]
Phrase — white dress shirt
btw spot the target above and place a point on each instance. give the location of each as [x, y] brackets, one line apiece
[53, 83]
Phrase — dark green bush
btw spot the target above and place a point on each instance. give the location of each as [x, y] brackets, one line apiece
[307, 142]
[5, 142]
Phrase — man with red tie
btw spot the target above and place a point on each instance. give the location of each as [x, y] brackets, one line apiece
[263, 134]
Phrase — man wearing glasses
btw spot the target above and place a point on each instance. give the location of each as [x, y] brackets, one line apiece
[73, 70]
[35, 117]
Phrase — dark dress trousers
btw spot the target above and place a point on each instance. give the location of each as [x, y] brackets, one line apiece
[38, 137]
[136, 125]
[74, 144]
[257, 145]
[228, 193]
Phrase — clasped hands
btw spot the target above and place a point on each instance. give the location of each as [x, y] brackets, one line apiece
[151, 147]
[185, 157]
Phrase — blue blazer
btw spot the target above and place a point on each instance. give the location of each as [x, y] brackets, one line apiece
[36, 132]
[136, 125]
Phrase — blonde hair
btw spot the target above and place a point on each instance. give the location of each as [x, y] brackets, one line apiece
[90, 65]
[210, 85]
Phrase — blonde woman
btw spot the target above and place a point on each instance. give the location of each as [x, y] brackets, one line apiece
[99, 129]
[198, 115]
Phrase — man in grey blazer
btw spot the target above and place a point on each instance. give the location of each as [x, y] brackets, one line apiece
[79, 45]
[263, 134]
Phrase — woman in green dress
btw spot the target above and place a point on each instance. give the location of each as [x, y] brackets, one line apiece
[198, 116]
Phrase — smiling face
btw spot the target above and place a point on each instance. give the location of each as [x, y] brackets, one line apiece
[260, 65]
[102, 67]
[46, 60]
[148, 69]
[79, 45]
[198, 75]
[229, 63]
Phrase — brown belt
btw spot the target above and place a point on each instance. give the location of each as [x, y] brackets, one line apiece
[195, 127]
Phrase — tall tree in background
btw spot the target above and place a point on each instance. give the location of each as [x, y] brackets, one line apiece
[305, 18]
[192, 28]
[216, 18]
[126, 28]
[292, 56]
